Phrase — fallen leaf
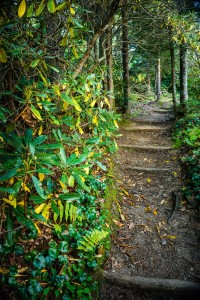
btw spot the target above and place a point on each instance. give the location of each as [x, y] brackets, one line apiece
[131, 225]
[122, 217]
[155, 212]
[147, 209]
[22, 270]
[118, 223]
[147, 229]
[169, 236]
[148, 180]
[125, 192]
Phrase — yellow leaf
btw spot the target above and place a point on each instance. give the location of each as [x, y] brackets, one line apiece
[45, 211]
[82, 178]
[22, 270]
[169, 236]
[40, 130]
[21, 203]
[3, 55]
[91, 154]
[116, 125]
[38, 229]
[76, 105]
[62, 185]
[71, 32]
[71, 181]
[87, 97]
[80, 130]
[78, 121]
[75, 52]
[148, 180]
[42, 76]
[43, 270]
[118, 223]
[87, 170]
[72, 11]
[11, 181]
[76, 151]
[107, 101]
[22, 8]
[65, 105]
[125, 192]
[148, 209]
[11, 201]
[41, 176]
[64, 41]
[25, 188]
[39, 208]
[4, 271]
[36, 112]
[95, 120]
[122, 217]
[175, 174]
[93, 103]
[87, 88]
[155, 212]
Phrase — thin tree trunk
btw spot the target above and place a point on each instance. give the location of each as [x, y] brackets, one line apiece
[110, 83]
[125, 56]
[107, 22]
[183, 77]
[158, 80]
[102, 46]
[173, 74]
[148, 80]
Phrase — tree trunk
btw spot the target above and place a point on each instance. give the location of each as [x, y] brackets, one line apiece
[173, 74]
[102, 46]
[106, 24]
[158, 80]
[183, 77]
[125, 56]
[148, 80]
[109, 57]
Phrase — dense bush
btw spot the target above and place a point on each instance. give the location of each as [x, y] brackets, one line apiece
[55, 136]
[187, 138]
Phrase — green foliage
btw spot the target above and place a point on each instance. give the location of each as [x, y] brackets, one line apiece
[55, 136]
[187, 137]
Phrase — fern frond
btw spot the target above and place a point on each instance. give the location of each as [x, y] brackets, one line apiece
[92, 239]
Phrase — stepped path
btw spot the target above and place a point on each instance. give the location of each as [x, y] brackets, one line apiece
[156, 250]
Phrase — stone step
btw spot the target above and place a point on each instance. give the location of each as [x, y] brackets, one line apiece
[145, 148]
[154, 120]
[150, 170]
[144, 128]
[164, 111]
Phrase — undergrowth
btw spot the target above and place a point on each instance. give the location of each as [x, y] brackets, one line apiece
[187, 139]
[56, 135]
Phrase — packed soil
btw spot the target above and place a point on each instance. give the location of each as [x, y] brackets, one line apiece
[158, 232]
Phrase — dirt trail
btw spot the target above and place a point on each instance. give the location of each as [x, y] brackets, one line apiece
[149, 243]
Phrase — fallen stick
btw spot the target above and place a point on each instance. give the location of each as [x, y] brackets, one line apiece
[154, 284]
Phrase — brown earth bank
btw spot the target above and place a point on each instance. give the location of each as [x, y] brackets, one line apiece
[158, 235]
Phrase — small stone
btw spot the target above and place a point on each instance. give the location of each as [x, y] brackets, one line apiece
[164, 242]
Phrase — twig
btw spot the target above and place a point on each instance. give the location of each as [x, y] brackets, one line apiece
[176, 198]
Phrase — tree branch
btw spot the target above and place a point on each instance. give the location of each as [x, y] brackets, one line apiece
[107, 22]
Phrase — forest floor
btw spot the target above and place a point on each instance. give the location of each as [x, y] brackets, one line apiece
[158, 235]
